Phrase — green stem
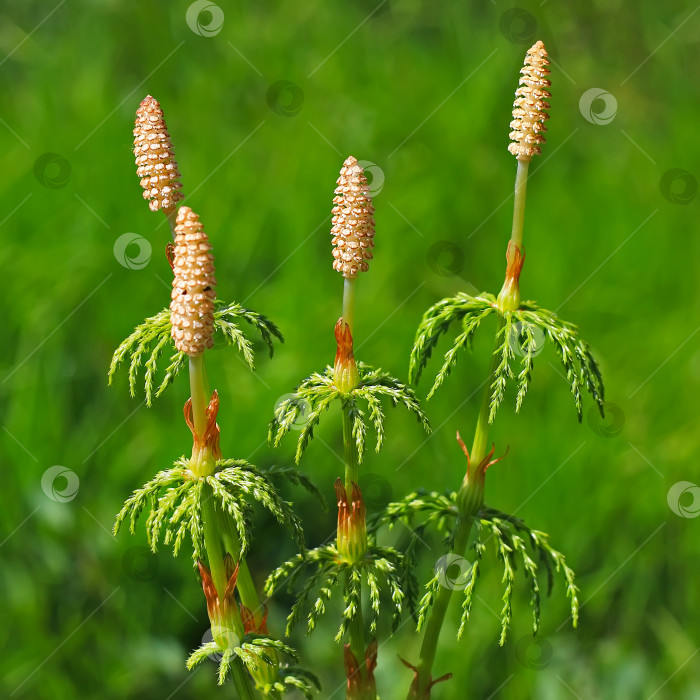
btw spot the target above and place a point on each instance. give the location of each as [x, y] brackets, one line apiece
[482, 424]
[519, 204]
[462, 533]
[199, 392]
[352, 472]
[212, 539]
[356, 628]
[349, 302]
[241, 681]
[246, 587]
[437, 614]
[172, 217]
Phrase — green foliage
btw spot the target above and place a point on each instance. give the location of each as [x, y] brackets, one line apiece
[252, 652]
[295, 677]
[512, 537]
[381, 567]
[316, 393]
[516, 334]
[56, 253]
[174, 498]
[435, 507]
[297, 478]
[514, 542]
[152, 338]
[575, 354]
[436, 321]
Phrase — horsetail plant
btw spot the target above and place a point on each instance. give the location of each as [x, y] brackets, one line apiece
[520, 326]
[206, 496]
[205, 501]
[354, 560]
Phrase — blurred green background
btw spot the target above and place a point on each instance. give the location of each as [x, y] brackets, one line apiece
[423, 91]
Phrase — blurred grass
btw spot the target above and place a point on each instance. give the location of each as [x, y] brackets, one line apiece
[87, 615]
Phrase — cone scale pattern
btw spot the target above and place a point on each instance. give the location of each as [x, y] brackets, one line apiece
[531, 105]
[353, 222]
[155, 160]
[192, 305]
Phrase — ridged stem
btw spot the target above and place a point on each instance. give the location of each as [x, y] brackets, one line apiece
[212, 540]
[349, 301]
[171, 215]
[246, 587]
[519, 203]
[481, 433]
[356, 630]
[437, 615]
[242, 681]
[463, 530]
[199, 392]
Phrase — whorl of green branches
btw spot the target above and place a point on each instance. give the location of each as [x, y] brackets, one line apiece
[316, 393]
[517, 336]
[514, 542]
[149, 340]
[174, 501]
[381, 567]
[253, 651]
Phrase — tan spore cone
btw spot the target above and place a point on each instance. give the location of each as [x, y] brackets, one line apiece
[353, 222]
[192, 305]
[155, 160]
[531, 105]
